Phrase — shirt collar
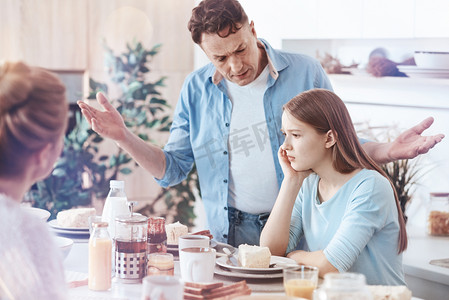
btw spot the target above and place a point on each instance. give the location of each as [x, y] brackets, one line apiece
[273, 60]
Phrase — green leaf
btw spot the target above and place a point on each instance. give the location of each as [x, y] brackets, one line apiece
[125, 171]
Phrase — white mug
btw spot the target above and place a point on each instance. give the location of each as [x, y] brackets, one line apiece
[197, 264]
[162, 287]
[193, 240]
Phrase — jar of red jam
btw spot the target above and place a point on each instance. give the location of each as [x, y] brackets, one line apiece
[157, 237]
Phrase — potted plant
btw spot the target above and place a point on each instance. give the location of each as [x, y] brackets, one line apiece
[84, 170]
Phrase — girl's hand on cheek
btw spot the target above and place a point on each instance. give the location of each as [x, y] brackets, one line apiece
[287, 168]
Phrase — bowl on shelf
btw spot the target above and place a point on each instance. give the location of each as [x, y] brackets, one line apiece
[432, 60]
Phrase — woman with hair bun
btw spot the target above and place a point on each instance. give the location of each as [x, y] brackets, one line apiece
[33, 120]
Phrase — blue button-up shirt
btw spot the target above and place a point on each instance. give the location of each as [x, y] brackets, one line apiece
[201, 120]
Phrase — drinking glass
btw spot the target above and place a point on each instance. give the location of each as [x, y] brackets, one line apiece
[300, 281]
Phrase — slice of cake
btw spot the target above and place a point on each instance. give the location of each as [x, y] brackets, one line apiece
[174, 231]
[76, 217]
[387, 292]
[254, 256]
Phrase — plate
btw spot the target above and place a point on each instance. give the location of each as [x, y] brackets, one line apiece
[223, 271]
[40, 213]
[267, 297]
[70, 233]
[414, 71]
[54, 224]
[223, 262]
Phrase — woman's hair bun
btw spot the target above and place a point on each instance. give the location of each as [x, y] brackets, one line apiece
[15, 85]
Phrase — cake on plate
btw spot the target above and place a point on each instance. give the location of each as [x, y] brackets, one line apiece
[174, 231]
[254, 256]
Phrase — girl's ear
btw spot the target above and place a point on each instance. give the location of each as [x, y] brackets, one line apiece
[331, 139]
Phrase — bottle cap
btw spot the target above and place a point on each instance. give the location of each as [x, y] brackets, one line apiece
[118, 184]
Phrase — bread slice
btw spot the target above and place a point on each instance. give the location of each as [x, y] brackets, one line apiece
[254, 256]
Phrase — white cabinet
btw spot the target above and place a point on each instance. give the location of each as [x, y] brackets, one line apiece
[339, 19]
[432, 18]
[349, 19]
[388, 19]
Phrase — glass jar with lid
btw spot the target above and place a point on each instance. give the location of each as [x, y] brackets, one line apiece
[343, 286]
[130, 243]
[438, 214]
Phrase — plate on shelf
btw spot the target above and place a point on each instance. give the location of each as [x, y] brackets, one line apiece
[223, 262]
[54, 224]
[417, 72]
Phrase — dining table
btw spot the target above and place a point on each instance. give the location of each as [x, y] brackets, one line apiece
[76, 271]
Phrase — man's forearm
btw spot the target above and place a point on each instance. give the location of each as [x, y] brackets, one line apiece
[148, 156]
[379, 152]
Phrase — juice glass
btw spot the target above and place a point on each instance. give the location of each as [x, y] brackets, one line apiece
[300, 281]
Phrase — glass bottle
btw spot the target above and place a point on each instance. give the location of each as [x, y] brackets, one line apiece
[438, 214]
[100, 263]
[157, 237]
[116, 204]
[343, 286]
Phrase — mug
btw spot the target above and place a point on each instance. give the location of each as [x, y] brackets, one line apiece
[162, 288]
[193, 240]
[197, 264]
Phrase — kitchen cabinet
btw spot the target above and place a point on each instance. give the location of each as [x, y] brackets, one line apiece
[423, 279]
[36, 32]
[388, 19]
[349, 19]
[432, 18]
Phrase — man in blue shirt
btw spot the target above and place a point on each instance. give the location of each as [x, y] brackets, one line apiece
[228, 119]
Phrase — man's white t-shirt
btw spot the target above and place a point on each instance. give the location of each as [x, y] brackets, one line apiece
[253, 185]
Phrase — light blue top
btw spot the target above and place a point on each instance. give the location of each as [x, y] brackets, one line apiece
[201, 127]
[357, 228]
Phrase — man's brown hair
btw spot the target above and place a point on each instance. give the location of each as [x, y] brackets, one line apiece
[214, 16]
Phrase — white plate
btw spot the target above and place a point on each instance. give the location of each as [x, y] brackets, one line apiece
[228, 273]
[40, 213]
[54, 224]
[70, 233]
[212, 244]
[223, 262]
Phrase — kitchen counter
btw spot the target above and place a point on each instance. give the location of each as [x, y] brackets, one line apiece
[425, 280]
